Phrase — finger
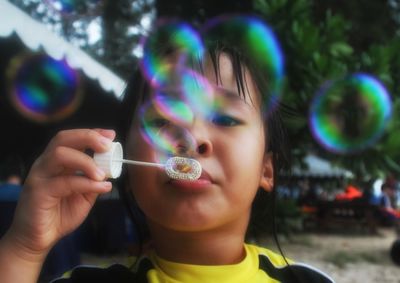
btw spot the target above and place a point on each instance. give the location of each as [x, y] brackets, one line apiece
[108, 133]
[63, 160]
[82, 139]
[63, 186]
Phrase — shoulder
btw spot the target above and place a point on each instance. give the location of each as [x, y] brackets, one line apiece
[114, 273]
[285, 270]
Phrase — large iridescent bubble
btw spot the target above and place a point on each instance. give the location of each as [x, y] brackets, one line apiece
[198, 93]
[168, 137]
[174, 65]
[43, 89]
[186, 88]
[350, 114]
[176, 39]
[170, 106]
[260, 47]
[168, 116]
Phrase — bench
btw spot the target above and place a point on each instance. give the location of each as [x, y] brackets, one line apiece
[345, 215]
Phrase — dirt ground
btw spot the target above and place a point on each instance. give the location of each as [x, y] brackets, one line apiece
[349, 258]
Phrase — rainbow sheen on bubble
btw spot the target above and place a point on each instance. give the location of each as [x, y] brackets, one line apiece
[174, 64]
[168, 137]
[171, 111]
[260, 46]
[171, 107]
[176, 37]
[350, 114]
[74, 7]
[42, 88]
[197, 92]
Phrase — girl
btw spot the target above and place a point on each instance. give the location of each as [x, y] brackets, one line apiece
[197, 228]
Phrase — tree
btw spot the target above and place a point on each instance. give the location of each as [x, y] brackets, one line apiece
[109, 31]
[321, 40]
[329, 39]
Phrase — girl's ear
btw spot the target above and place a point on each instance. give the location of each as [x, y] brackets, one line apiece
[267, 174]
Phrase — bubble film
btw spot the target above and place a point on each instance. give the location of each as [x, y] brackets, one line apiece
[74, 7]
[173, 62]
[168, 137]
[171, 111]
[350, 114]
[173, 36]
[170, 106]
[42, 88]
[186, 94]
[198, 93]
[260, 45]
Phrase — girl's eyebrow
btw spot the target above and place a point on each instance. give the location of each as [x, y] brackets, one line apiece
[232, 96]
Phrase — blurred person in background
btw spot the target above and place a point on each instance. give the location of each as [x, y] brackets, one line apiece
[390, 216]
[11, 177]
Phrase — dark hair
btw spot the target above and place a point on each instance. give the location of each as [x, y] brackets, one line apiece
[137, 92]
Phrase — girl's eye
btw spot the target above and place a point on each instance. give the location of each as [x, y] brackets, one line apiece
[225, 120]
[158, 122]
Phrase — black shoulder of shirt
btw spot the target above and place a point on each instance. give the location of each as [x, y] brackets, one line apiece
[293, 273]
[114, 273]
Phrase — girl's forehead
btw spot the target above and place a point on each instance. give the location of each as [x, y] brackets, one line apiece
[224, 76]
[221, 73]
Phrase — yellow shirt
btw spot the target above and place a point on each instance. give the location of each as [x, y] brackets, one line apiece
[259, 266]
[245, 271]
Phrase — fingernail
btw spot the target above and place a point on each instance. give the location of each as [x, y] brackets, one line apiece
[107, 132]
[107, 185]
[100, 174]
[105, 141]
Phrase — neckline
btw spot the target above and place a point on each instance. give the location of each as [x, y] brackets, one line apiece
[181, 272]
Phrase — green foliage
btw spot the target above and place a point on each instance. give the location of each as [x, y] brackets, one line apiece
[321, 40]
[325, 40]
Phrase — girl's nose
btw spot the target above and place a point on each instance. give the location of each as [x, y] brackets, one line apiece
[201, 135]
[199, 142]
[204, 148]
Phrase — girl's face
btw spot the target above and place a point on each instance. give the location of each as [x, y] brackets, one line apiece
[232, 152]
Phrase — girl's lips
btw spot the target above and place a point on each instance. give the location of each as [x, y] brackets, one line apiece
[203, 182]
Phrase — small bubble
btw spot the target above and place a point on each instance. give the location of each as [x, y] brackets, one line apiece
[43, 89]
[350, 114]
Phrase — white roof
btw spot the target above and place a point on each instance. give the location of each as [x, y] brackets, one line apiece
[35, 35]
[318, 167]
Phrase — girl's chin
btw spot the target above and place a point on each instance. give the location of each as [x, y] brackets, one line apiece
[185, 186]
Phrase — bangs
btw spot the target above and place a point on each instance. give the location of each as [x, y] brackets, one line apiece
[239, 67]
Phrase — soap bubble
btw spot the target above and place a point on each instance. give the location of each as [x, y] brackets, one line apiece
[176, 37]
[170, 106]
[187, 94]
[350, 114]
[258, 42]
[169, 138]
[173, 64]
[43, 89]
[172, 110]
[197, 92]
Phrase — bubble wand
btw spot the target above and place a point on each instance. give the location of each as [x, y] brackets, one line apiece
[177, 167]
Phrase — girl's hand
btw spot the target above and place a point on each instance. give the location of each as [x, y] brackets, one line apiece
[55, 199]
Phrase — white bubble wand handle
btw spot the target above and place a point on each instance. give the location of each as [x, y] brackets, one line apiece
[180, 168]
